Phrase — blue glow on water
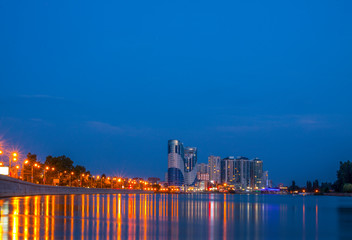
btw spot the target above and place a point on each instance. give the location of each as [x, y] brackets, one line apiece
[163, 216]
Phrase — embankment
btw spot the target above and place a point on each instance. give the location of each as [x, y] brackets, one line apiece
[11, 187]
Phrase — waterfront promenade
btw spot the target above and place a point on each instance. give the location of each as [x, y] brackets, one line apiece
[11, 187]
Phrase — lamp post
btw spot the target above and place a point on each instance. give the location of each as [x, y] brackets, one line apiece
[1, 164]
[98, 177]
[23, 172]
[17, 168]
[37, 166]
[13, 157]
[71, 179]
[81, 176]
[45, 170]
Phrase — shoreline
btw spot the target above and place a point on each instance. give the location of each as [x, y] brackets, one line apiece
[12, 187]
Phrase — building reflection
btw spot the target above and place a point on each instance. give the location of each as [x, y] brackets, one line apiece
[146, 216]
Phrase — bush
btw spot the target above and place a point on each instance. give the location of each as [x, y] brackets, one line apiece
[347, 187]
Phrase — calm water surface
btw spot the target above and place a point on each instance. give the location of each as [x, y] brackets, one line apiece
[162, 216]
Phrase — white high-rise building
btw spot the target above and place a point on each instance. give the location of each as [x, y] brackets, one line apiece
[214, 168]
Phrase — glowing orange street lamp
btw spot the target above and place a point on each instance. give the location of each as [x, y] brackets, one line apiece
[1, 164]
[82, 175]
[71, 178]
[0, 152]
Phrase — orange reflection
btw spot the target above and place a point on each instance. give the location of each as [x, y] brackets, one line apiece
[224, 236]
[47, 217]
[15, 219]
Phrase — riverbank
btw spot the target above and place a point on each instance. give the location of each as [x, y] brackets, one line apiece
[12, 187]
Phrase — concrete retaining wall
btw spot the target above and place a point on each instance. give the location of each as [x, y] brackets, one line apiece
[11, 187]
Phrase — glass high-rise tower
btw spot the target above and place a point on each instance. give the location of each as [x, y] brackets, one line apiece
[190, 165]
[182, 164]
[176, 163]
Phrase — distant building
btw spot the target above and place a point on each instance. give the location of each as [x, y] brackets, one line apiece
[228, 170]
[257, 174]
[153, 180]
[202, 168]
[245, 169]
[266, 181]
[202, 172]
[190, 158]
[182, 164]
[176, 165]
[166, 178]
[243, 173]
[214, 163]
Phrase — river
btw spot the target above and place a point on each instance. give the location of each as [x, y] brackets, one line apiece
[172, 216]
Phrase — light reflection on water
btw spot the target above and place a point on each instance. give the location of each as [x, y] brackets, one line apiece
[162, 216]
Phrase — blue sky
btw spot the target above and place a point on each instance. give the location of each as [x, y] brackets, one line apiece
[108, 83]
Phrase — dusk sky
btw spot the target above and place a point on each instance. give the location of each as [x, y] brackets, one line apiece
[107, 83]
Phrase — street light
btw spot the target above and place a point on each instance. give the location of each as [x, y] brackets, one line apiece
[1, 163]
[71, 179]
[22, 171]
[14, 158]
[81, 179]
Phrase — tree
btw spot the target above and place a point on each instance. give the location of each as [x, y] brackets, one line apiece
[30, 169]
[293, 187]
[325, 187]
[60, 163]
[347, 187]
[62, 167]
[309, 186]
[316, 185]
[344, 175]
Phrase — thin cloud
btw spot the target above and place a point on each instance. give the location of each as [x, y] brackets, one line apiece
[43, 96]
[270, 122]
[107, 128]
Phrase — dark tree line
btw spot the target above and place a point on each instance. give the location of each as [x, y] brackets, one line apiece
[344, 177]
[61, 168]
[342, 184]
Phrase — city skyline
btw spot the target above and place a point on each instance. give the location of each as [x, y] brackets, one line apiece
[176, 119]
[109, 84]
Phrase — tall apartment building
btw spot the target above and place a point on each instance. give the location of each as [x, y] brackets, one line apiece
[265, 181]
[245, 169]
[214, 167]
[202, 168]
[242, 173]
[257, 174]
[228, 170]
